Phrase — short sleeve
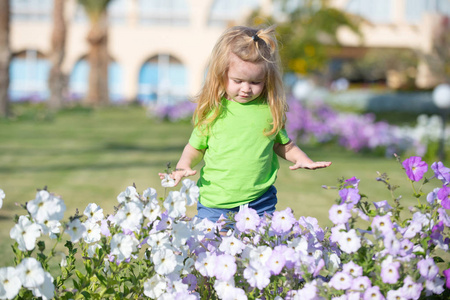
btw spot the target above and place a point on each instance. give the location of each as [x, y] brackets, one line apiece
[282, 137]
[198, 140]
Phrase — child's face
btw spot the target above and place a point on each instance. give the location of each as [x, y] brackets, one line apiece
[245, 80]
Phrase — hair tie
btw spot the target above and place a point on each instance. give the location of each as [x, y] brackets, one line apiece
[256, 38]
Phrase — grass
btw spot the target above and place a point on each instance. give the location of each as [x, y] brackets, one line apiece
[91, 155]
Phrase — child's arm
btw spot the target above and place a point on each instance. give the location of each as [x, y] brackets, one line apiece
[294, 154]
[189, 159]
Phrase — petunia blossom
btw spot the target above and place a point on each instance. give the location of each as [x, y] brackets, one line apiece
[282, 221]
[415, 168]
[225, 267]
[428, 268]
[444, 195]
[441, 172]
[339, 214]
[447, 277]
[341, 281]
[93, 212]
[10, 283]
[30, 272]
[155, 286]
[246, 219]
[25, 233]
[257, 276]
[349, 242]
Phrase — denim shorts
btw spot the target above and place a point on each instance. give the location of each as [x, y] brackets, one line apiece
[264, 204]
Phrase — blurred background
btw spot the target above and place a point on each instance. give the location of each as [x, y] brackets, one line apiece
[95, 94]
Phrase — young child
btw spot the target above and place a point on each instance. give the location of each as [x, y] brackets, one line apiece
[239, 127]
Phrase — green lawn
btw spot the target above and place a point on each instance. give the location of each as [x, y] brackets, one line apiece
[92, 155]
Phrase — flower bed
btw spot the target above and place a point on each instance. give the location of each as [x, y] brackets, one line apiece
[149, 248]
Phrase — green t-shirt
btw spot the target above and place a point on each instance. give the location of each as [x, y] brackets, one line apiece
[240, 164]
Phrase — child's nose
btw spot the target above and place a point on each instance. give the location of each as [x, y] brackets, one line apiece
[246, 87]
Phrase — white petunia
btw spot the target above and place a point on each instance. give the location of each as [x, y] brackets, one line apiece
[25, 233]
[129, 195]
[260, 255]
[349, 242]
[175, 204]
[122, 246]
[152, 210]
[155, 286]
[46, 290]
[159, 240]
[167, 181]
[206, 263]
[231, 245]
[75, 229]
[93, 212]
[150, 195]
[10, 283]
[93, 232]
[257, 276]
[180, 233]
[50, 227]
[164, 261]
[191, 191]
[130, 216]
[46, 207]
[30, 273]
[223, 287]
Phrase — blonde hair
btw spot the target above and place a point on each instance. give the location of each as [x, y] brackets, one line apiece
[250, 45]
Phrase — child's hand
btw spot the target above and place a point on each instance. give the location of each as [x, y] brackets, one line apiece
[177, 175]
[311, 165]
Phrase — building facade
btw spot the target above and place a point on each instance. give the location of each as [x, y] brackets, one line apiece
[159, 48]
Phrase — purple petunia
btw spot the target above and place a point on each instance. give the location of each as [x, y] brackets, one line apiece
[350, 197]
[444, 195]
[441, 172]
[415, 168]
[427, 268]
[447, 278]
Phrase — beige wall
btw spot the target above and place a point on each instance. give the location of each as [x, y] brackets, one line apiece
[132, 44]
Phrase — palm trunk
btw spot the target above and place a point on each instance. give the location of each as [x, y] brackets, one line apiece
[57, 80]
[98, 62]
[5, 58]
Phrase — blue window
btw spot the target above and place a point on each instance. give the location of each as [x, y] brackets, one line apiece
[162, 80]
[29, 73]
[225, 11]
[164, 12]
[375, 11]
[31, 10]
[79, 81]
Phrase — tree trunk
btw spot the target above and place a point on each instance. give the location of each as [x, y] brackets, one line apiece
[98, 62]
[5, 58]
[57, 79]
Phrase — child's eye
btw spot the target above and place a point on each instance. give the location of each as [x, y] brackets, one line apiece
[237, 81]
[256, 82]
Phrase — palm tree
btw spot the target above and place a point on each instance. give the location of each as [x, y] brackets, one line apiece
[98, 56]
[57, 79]
[5, 58]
